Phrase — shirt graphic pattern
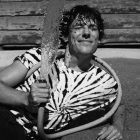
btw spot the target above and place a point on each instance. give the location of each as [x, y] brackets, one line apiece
[76, 93]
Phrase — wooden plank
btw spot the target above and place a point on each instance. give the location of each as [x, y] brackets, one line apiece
[122, 36]
[19, 0]
[20, 37]
[21, 23]
[112, 21]
[34, 37]
[3, 23]
[38, 7]
[109, 6]
[121, 21]
[22, 8]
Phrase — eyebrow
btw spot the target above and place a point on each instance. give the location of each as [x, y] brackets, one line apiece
[81, 21]
[82, 24]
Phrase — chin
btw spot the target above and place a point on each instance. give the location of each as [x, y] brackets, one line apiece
[87, 50]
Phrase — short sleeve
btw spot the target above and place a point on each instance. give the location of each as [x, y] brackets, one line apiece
[30, 57]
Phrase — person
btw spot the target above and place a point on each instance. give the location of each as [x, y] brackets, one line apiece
[80, 89]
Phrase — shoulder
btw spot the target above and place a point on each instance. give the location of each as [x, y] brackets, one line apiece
[103, 71]
[100, 64]
[30, 57]
[34, 51]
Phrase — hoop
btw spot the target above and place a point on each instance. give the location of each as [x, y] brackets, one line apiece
[88, 125]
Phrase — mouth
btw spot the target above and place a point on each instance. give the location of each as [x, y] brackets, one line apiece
[85, 41]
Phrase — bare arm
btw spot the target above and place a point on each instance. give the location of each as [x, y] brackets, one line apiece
[118, 118]
[10, 77]
[115, 130]
[13, 75]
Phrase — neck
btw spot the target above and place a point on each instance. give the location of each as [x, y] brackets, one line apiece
[78, 62]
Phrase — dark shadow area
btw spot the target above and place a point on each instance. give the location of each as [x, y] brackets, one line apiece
[29, 46]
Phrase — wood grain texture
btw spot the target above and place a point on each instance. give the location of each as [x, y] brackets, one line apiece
[110, 6]
[34, 37]
[112, 21]
[19, 0]
[21, 23]
[22, 20]
[122, 35]
[38, 7]
[121, 21]
[22, 8]
[20, 37]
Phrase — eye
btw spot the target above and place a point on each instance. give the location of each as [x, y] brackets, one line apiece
[77, 27]
[93, 27]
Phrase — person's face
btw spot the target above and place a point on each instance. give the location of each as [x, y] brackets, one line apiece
[83, 37]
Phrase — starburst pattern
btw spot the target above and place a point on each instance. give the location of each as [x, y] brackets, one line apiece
[78, 93]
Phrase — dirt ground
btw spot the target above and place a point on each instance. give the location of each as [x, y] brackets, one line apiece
[128, 71]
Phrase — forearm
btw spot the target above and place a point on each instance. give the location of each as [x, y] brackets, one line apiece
[118, 119]
[11, 96]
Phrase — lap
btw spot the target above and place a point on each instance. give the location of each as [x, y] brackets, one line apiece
[10, 129]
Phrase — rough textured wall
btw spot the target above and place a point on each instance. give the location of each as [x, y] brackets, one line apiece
[21, 21]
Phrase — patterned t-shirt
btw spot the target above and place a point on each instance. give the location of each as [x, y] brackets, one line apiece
[75, 93]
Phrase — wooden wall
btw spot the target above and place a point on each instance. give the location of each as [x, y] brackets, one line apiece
[21, 21]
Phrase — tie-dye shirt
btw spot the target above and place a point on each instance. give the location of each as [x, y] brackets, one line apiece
[75, 94]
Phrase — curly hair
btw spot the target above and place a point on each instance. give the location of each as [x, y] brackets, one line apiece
[81, 11]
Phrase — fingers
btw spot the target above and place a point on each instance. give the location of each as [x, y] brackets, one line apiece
[102, 131]
[39, 93]
[115, 137]
[38, 99]
[40, 85]
[110, 133]
[40, 89]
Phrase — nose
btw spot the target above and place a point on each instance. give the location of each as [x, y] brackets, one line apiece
[86, 32]
[86, 35]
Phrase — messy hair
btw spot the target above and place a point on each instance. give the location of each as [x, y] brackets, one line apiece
[81, 11]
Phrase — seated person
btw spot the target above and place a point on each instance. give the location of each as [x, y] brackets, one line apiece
[70, 94]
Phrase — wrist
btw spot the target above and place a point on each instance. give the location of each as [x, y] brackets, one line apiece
[25, 98]
[119, 125]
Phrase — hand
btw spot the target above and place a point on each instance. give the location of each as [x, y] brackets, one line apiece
[39, 93]
[111, 133]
